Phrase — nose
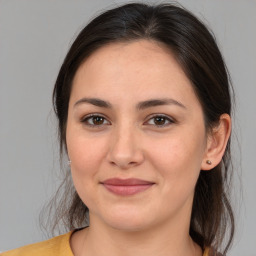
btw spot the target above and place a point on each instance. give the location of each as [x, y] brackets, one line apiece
[125, 149]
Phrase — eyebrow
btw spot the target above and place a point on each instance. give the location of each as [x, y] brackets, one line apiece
[140, 106]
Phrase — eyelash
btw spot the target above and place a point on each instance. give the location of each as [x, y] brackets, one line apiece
[91, 116]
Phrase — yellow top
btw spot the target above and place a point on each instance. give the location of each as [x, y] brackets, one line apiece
[58, 245]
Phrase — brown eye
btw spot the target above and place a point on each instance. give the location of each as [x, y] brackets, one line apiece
[160, 121]
[97, 120]
[94, 121]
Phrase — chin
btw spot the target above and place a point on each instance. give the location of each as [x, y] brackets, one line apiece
[130, 221]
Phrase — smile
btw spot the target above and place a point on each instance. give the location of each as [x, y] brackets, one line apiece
[126, 187]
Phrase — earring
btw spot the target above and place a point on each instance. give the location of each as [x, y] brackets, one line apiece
[209, 162]
[69, 162]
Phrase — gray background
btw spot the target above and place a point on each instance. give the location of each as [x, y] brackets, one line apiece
[34, 37]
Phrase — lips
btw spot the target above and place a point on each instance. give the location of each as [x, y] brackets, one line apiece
[126, 187]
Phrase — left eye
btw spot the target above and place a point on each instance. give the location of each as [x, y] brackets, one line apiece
[95, 120]
[160, 121]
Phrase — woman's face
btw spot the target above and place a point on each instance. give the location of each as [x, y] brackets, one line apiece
[135, 136]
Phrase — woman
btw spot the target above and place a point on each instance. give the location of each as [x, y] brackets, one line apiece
[143, 104]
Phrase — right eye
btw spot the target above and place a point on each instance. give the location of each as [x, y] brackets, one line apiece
[95, 121]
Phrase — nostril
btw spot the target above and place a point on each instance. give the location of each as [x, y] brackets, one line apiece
[123, 164]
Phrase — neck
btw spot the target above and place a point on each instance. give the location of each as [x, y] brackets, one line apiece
[162, 240]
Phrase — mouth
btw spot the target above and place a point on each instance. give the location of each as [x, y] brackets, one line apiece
[126, 187]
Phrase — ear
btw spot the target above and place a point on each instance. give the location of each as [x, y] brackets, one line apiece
[216, 143]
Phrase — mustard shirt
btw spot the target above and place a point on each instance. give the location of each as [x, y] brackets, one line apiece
[58, 245]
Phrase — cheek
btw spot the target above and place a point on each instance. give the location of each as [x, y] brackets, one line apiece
[86, 154]
[178, 159]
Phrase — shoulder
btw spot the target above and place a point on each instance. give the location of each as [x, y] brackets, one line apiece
[58, 245]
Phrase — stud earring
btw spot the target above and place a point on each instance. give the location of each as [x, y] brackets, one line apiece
[209, 162]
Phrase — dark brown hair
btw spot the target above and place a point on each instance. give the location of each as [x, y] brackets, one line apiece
[196, 50]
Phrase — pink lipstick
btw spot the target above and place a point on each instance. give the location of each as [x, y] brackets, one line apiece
[126, 187]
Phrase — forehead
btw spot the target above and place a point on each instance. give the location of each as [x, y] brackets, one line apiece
[136, 56]
[140, 68]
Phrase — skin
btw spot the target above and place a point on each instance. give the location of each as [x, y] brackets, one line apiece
[129, 143]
